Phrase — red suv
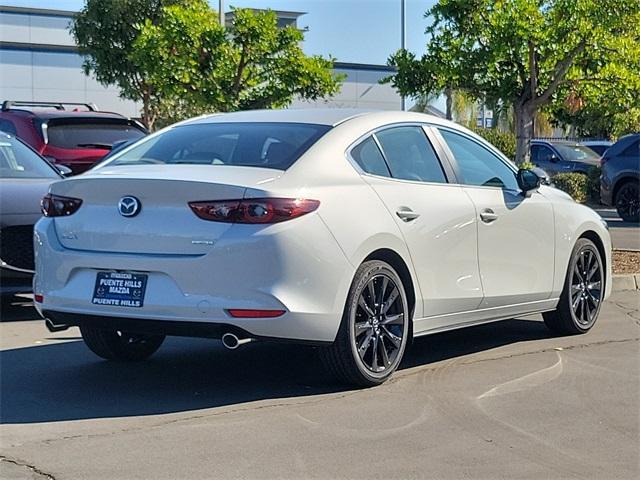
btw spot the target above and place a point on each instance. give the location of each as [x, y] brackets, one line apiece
[76, 138]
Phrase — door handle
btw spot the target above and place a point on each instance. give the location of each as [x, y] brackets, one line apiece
[406, 214]
[488, 215]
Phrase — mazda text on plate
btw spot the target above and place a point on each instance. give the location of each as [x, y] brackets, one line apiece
[348, 230]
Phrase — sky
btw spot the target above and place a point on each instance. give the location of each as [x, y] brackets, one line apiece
[359, 31]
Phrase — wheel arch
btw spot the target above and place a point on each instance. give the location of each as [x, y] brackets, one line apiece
[620, 181]
[599, 243]
[400, 266]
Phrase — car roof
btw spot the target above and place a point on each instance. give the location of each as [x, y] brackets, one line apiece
[317, 116]
[49, 114]
[555, 142]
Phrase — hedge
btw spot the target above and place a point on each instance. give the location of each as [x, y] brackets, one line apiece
[581, 187]
[575, 184]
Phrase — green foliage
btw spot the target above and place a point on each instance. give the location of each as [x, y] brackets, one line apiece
[191, 60]
[524, 53]
[174, 57]
[575, 184]
[105, 32]
[527, 166]
[503, 141]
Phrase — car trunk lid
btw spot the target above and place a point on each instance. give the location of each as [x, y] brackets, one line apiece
[164, 223]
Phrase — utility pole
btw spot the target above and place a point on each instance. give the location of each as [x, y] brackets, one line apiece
[221, 12]
[403, 39]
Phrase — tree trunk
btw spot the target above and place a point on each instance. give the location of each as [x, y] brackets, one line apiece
[524, 131]
[148, 118]
[448, 93]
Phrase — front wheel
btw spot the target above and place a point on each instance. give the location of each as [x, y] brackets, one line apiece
[120, 346]
[375, 325]
[583, 292]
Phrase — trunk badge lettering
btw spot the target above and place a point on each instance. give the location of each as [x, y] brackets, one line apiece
[202, 242]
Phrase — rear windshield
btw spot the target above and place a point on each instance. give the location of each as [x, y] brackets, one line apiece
[19, 161]
[265, 145]
[90, 134]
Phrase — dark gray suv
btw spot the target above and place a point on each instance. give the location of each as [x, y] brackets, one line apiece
[620, 179]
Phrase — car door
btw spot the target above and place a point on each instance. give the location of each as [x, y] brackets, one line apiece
[515, 231]
[436, 218]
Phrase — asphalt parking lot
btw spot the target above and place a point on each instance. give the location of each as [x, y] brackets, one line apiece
[505, 400]
[624, 235]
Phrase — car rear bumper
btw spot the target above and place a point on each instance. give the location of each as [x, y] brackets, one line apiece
[295, 266]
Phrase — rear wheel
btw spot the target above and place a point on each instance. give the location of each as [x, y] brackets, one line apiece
[583, 291]
[120, 346]
[627, 201]
[373, 333]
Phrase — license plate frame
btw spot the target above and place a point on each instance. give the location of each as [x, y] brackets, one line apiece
[120, 289]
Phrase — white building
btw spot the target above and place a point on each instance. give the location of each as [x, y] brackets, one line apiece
[39, 61]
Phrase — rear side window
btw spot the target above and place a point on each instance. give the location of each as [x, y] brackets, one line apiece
[74, 134]
[265, 145]
[409, 155]
[7, 126]
[368, 156]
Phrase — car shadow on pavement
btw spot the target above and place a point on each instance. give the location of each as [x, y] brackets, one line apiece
[65, 381]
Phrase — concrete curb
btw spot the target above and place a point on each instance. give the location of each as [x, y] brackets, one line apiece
[625, 282]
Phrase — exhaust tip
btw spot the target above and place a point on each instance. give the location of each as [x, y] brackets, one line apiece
[230, 341]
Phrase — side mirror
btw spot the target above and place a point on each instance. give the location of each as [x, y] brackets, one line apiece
[64, 170]
[545, 179]
[528, 181]
[554, 158]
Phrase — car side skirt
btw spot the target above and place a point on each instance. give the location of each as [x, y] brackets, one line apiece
[453, 321]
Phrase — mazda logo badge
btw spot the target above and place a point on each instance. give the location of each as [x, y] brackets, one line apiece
[129, 206]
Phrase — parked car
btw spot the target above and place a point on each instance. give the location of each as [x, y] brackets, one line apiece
[349, 230]
[24, 179]
[75, 138]
[598, 146]
[559, 156]
[620, 179]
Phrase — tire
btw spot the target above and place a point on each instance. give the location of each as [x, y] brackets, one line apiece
[382, 325]
[581, 298]
[120, 346]
[627, 201]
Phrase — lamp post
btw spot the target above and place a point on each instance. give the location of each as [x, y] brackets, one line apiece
[221, 12]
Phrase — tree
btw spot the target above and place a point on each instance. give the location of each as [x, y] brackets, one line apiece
[105, 32]
[522, 52]
[189, 58]
[609, 107]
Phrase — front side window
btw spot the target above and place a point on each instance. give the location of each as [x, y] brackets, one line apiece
[541, 153]
[265, 145]
[477, 165]
[367, 155]
[409, 155]
[19, 161]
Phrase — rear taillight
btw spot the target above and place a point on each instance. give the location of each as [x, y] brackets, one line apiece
[59, 206]
[254, 210]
